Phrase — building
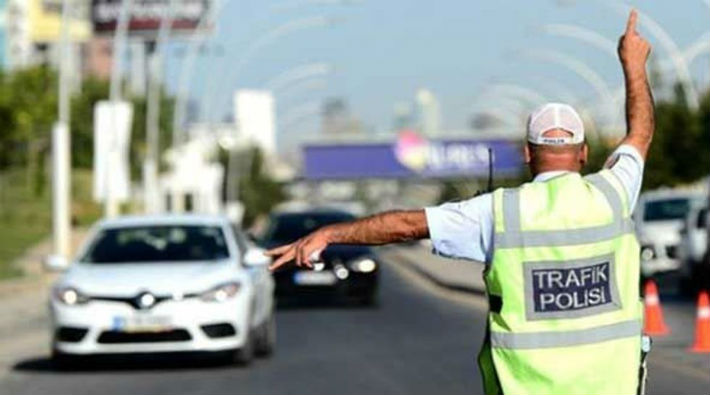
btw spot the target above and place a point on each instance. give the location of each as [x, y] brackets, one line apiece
[31, 31]
[336, 118]
[428, 113]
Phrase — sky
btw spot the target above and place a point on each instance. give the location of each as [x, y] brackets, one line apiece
[382, 51]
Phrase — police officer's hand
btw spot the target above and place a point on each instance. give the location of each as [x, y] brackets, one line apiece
[304, 251]
[633, 49]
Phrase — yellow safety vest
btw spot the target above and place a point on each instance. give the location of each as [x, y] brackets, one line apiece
[565, 315]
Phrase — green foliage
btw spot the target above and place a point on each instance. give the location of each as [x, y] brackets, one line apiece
[26, 217]
[257, 190]
[679, 152]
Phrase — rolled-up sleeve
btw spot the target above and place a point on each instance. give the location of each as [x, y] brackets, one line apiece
[462, 230]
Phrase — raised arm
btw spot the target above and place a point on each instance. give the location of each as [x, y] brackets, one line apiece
[633, 53]
[384, 228]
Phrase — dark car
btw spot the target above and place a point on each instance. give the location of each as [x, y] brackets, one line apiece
[345, 272]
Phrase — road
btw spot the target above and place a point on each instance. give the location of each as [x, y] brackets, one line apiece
[420, 340]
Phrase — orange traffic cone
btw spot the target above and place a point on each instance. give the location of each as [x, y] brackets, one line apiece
[654, 324]
[702, 328]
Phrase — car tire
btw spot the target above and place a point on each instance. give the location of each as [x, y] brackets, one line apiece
[243, 356]
[266, 341]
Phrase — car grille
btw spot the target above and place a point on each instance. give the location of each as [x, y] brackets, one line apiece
[116, 337]
[219, 330]
[70, 334]
[672, 251]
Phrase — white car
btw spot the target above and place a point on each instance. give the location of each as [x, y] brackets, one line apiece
[164, 284]
[693, 249]
[660, 216]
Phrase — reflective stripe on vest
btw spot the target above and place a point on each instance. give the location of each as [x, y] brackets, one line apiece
[563, 339]
[514, 237]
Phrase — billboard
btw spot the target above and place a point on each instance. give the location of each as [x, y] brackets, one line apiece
[145, 15]
[112, 138]
[411, 156]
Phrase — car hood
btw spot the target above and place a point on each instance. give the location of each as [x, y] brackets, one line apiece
[664, 232]
[158, 278]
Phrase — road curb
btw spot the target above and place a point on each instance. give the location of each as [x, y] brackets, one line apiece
[438, 280]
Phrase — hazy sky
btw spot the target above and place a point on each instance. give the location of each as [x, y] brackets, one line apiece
[384, 50]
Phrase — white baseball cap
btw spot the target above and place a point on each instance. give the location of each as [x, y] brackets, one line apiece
[552, 116]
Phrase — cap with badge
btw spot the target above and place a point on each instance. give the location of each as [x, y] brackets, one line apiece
[553, 116]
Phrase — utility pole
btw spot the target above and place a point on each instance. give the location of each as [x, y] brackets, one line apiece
[155, 67]
[111, 208]
[61, 154]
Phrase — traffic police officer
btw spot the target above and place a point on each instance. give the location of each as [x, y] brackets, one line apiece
[563, 261]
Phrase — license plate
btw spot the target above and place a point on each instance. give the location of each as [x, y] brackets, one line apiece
[314, 278]
[142, 323]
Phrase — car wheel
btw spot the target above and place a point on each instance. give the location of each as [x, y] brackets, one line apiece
[266, 343]
[244, 355]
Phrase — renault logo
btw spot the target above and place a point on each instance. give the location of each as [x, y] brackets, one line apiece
[145, 300]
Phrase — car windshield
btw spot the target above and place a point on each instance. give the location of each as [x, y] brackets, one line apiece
[169, 243]
[667, 209]
[286, 228]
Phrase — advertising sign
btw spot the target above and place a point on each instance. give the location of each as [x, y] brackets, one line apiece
[255, 117]
[145, 15]
[411, 156]
[112, 137]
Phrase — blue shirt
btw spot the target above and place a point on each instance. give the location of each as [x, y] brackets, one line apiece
[464, 230]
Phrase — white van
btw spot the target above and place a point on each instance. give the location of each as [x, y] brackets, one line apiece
[660, 216]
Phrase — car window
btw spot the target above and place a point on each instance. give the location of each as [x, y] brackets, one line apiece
[666, 209]
[144, 244]
[286, 228]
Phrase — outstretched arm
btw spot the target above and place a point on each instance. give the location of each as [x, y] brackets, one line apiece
[633, 53]
[384, 228]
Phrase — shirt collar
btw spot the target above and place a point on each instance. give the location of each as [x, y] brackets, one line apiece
[545, 176]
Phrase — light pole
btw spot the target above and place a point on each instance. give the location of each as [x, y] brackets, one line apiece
[155, 66]
[586, 73]
[61, 153]
[111, 208]
[196, 40]
[298, 73]
[213, 98]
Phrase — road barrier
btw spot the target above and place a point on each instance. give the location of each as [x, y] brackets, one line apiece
[654, 324]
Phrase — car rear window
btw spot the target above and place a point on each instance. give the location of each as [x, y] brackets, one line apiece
[665, 210]
[145, 244]
[286, 228]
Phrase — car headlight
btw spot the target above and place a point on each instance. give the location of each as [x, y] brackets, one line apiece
[366, 265]
[70, 296]
[647, 253]
[221, 292]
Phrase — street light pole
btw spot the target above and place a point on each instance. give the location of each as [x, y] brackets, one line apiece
[61, 153]
[155, 65]
[111, 208]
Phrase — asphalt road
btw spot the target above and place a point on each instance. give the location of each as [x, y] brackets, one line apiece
[420, 340]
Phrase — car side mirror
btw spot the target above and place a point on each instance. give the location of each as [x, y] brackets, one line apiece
[56, 263]
[255, 257]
